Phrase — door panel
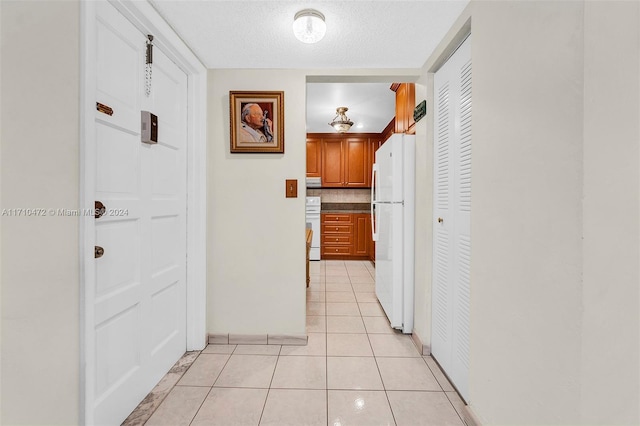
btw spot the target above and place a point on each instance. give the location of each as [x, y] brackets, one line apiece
[119, 267]
[462, 230]
[119, 68]
[139, 318]
[166, 169]
[462, 305]
[441, 323]
[165, 314]
[441, 344]
[118, 173]
[361, 231]
[117, 349]
[356, 172]
[332, 164]
[164, 244]
[314, 162]
[452, 217]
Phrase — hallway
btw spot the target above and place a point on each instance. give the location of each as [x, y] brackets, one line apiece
[355, 370]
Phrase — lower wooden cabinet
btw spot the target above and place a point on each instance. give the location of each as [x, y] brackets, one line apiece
[345, 235]
[361, 230]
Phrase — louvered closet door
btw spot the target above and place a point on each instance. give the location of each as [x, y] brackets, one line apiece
[452, 217]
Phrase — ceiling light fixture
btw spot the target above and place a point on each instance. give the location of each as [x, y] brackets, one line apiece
[340, 122]
[309, 26]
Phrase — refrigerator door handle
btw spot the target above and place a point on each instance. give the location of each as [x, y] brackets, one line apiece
[374, 174]
[374, 234]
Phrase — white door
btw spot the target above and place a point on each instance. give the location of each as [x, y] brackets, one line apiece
[452, 215]
[138, 326]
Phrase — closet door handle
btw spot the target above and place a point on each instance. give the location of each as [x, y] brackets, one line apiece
[440, 220]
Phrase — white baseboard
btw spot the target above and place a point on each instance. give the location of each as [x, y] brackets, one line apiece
[422, 348]
[470, 417]
[257, 339]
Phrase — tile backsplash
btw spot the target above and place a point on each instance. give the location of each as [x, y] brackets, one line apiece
[347, 195]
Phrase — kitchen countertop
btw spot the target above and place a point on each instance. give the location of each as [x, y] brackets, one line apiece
[345, 208]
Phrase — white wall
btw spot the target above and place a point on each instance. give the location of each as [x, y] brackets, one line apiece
[256, 237]
[423, 218]
[610, 300]
[555, 222]
[39, 169]
[256, 269]
[527, 212]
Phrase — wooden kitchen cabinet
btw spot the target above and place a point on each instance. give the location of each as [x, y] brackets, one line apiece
[357, 169]
[346, 163]
[344, 236]
[332, 163]
[336, 235]
[405, 104]
[344, 160]
[314, 157]
[374, 144]
[362, 234]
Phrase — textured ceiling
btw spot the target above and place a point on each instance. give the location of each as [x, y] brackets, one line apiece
[360, 34]
[363, 34]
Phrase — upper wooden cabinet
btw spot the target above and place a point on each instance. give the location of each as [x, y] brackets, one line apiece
[332, 163]
[405, 103]
[357, 169]
[342, 160]
[346, 163]
[314, 157]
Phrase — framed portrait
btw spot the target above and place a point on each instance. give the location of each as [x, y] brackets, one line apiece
[257, 122]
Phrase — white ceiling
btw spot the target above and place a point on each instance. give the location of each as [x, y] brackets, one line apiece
[371, 105]
[360, 34]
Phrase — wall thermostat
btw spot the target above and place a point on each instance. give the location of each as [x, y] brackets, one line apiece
[149, 132]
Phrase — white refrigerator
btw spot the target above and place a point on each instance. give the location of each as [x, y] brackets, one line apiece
[392, 219]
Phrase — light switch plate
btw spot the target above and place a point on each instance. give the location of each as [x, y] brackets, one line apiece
[291, 190]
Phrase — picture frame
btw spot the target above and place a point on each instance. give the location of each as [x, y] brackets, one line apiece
[257, 122]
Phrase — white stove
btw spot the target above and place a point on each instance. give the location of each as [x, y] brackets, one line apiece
[312, 208]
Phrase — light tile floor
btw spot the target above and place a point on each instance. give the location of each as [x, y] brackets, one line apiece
[355, 370]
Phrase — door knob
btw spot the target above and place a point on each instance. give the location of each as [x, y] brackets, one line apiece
[99, 210]
[98, 252]
[440, 220]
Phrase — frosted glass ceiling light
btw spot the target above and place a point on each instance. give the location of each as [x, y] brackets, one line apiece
[309, 26]
[340, 122]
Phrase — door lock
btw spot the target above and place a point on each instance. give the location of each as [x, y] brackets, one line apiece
[98, 252]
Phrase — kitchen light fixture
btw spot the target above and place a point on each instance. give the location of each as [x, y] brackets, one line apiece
[309, 26]
[340, 122]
